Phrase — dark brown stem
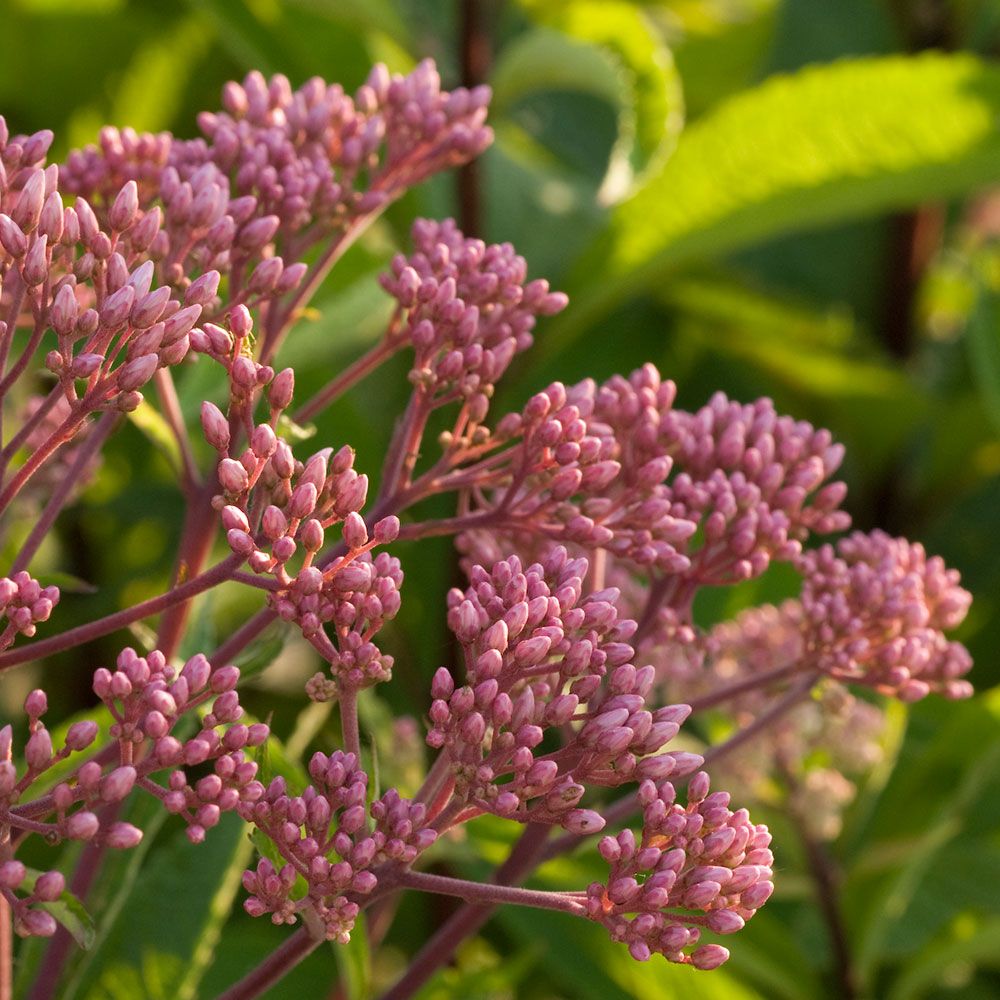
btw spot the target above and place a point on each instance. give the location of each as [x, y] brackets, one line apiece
[477, 60]
[914, 240]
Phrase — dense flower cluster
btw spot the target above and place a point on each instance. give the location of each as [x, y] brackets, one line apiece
[587, 520]
[876, 609]
[540, 655]
[702, 857]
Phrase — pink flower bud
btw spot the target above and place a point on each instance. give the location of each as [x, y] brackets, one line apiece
[38, 750]
[82, 825]
[12, 874]
[202, 291]
[135, 374]
[118, 784]
[80, 735]
[709, 956]
[50, 886]
[233, 477]
[224, 679]
[36, 704]
[122, 836]
[11, 237]
[36, 923]
[583, 821]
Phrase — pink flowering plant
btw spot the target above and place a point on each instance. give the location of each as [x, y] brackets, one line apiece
[584, 709]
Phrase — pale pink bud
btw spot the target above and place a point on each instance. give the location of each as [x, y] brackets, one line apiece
[215, 426]
[135, 374]
[122, 836]
[50, 886]
[82, 825]
[124, 208]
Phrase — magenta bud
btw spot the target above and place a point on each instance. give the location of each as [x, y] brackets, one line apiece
[202, 290]
[709, 956]
[36, 704]
[38, 750]
[50, 886]
[224, 679]
[263, 441]
[82, 825]
[118, 784]
[256, 233]
[279, 393]
[64, 309]
[36, 923]
[355, 531]
[124, 207]
[12, 874]
[233, 477]
[11, 237]
[303, 501]
[240, 321]
[116, 307]
[265, 276]
[122, 836]
[135, 374]
[234, 518]
[386, 530]
[28, 209]
[84, 365]
[80, 735]
[312, 535]
[442, 685]
[583, 821]
[215, 427]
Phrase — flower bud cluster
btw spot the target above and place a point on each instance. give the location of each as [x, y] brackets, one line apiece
[71, 807]
[323, 837]
[147, 697]
[876, 609]
[92, 283]
[277, 511]
[710, 496]
[540, 655]
[24, 602]
[278, 163]
[754, 482]
[467, 309]
[703, 858]
[30, 918]
[308, 155]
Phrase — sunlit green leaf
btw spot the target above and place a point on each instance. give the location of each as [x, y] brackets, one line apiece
[830, 142]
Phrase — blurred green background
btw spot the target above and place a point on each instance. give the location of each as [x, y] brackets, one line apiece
[789, 198]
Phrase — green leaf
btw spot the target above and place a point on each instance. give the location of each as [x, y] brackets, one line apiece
[829, 143]
[544, 59]
[165, 935]
[263, 651]
[67, 910]
[982, 337]
[962, 947]
[652, 114]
